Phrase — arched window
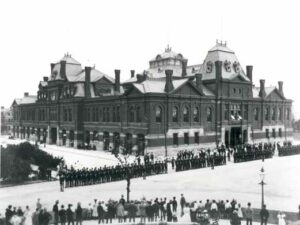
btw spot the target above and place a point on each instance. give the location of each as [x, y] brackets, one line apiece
[209, 114]
[280, 114]
[158, 114]
[288, 113]
[267, 112]
[131, 114]
[186, 114]
[196, 114]
[273, 113]
[175, 114]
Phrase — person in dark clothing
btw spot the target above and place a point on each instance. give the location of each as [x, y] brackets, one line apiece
[169, 211]
[46, 217]
[100, 213]
[110, 212]
[78, 213]
[122, 200]
[182, 204]
[41, 217]
[70, 215]
[264, 215]
[8, 215]
[235, 220]
[62, 215]
[55, 212]
[174, 205]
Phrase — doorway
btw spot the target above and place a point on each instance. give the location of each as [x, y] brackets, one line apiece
[53, 135]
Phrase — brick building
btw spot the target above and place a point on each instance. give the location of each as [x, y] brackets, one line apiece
[168, 107]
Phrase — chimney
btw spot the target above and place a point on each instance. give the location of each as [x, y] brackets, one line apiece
[169, 83]
[87, 83]
[141, 77]
[184, 65]
[280, 87]
[262, 92]
[52, 66]
[249, 72]
[62, 71]
[199, 81]
[132, 73]
[117, 80]
[26, 94]
[45, 79]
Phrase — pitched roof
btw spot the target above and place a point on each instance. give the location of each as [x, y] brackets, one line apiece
[157, 85]
[95, 76]
[220, 52]
[26, 100]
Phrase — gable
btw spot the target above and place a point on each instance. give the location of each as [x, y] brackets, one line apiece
[104, 81]
[274, 95]
[187, 89]
[133, 91]
[238, 78]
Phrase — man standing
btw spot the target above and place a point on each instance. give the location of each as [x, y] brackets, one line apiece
[264, 215]
[8, 215]
[78, 213]
[70, 215]
[174, 205]
[182, 204]
[249, 214]
[62, 215]
[55, 212]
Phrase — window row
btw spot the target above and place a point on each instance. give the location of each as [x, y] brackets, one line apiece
[186, 138]
[273, 133]
[67, 114]
[186, 116]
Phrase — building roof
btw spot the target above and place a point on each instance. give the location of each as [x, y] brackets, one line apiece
[157, 85]
[230, 67]
[26, 100]
[168, 53]
[68, 58]
[95, 76]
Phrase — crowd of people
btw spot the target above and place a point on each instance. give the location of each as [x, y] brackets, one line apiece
[73, 178]
[140, 211]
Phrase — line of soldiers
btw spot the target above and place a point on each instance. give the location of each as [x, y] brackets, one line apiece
[248, 152]
[289, 150]
[187, 160]
[85, 176]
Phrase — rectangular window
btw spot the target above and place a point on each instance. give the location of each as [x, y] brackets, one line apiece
[197, 140]
[273, 133]
[280, 132]
[70, 114]
[175, 139]
[186, 138]
[267, 133]
[246, 112]
[118, 113]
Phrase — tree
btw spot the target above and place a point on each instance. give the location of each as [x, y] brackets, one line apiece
[19, 171]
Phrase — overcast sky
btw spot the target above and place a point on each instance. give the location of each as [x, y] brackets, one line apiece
[126, 34]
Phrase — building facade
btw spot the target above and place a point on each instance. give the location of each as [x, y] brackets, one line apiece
[6, 121]
[170, 106]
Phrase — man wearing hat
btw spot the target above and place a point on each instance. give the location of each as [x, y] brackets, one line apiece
[70, 215]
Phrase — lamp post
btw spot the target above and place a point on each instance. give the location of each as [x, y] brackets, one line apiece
[262, 183]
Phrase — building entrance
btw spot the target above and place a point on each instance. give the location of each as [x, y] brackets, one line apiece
[233, 136]
[53, 135]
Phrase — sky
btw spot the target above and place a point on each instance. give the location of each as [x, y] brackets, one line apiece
[126, 34]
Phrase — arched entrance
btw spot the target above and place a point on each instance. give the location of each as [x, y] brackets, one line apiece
[53, 135]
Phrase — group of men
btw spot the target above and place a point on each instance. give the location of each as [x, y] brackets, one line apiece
[72, 177]
[248, 152]
[187, 160]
